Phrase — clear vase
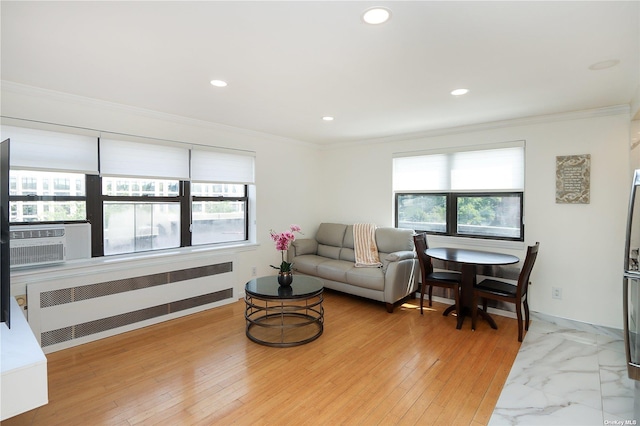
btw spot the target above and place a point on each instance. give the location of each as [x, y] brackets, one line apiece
[285, 278]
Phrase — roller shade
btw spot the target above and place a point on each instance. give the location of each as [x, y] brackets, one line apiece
[51, 151]
[218, 166]
[500, 169]
[151, 160]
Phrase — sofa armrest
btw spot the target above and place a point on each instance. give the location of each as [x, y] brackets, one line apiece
[399, 255]
[396, 256]
[302, 246]
[400, 276]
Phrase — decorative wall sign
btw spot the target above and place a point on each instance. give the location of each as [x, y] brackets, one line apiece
[573, 179]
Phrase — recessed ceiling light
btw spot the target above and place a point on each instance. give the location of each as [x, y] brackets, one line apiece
[376, 15]
[327, 118]
[459, 92]
[218, 83]
[603, 65]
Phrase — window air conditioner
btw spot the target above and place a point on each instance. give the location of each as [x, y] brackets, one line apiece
[32, 245]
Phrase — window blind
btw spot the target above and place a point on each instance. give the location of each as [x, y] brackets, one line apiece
[218, 166]
[500, 169]
[151, 160]
[51, 151]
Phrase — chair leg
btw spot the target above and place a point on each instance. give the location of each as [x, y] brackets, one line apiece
[430, 295]
[474, 311]
[526, 314]
[422, 296]
[456, 293]
[519, 315]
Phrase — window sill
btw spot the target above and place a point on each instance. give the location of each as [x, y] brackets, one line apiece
[474, 243]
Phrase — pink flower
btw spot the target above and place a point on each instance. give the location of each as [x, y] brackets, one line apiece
[282, 240]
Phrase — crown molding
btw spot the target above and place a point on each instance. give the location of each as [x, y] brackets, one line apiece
[492, 125]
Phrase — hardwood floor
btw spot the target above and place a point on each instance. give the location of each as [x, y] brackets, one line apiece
[369, 367]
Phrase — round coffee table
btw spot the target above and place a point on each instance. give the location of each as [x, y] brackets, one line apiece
[284, 316]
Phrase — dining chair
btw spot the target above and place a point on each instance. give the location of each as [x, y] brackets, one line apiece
[506, 292]
[451, 280]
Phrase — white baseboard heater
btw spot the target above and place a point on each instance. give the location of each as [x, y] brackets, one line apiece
[74, 310]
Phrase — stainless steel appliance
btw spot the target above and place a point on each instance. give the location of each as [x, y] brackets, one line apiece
[631, 292]
[631, 282]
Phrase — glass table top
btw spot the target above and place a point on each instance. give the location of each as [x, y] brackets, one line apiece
[302, 286]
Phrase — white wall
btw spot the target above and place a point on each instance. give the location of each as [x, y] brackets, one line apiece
[287, 172]
[581, 245]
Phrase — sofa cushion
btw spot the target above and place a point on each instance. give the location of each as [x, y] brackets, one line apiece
[335, 270]
[348, 254]
[305, 246]
[348, 241]
[308, 264]
[331, 234]
[330, 252]
[389, 240]
[372, 278]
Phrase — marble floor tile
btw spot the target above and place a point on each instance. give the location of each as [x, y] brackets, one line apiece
[566, 375]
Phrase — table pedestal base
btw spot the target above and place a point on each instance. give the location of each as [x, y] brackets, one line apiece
[460, 316]
[283, 322]
[466, 312]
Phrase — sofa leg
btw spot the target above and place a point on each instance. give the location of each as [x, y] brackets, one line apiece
[390, 307]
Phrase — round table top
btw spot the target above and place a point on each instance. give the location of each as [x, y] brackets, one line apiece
[476, 257]
[267, 287]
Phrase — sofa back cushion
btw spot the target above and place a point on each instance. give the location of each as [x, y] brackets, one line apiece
[305, 246]
[331, 234]
[347, 242]
[347, 253]
[330, 252]
[329, 238]
[389, 240]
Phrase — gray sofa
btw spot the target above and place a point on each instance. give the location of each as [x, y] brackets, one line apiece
[331, 257]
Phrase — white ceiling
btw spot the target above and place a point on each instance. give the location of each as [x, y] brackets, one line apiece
[290, 63]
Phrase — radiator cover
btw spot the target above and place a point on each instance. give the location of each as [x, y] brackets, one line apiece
[67, 312]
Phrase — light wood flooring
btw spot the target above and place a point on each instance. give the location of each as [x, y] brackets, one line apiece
[369, 367]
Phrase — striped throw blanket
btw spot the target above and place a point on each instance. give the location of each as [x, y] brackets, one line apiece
[364, 241]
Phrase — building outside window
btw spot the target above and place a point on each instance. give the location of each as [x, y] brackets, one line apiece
[219, 213]
[32, 201]
[134, 222]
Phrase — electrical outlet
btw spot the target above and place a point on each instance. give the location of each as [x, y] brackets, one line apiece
[254, 271]
[556, 293]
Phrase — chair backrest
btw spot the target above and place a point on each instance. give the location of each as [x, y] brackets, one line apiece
[525, 273]
[420, 243]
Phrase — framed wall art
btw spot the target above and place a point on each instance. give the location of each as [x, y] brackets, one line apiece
[573, 179]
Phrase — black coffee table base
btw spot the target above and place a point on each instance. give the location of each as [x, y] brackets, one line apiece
[284, 323]
[284, 316]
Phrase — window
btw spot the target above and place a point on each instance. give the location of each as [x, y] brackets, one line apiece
[31, 200]
[424, 212]
[134, 222]
[476, 194]
[219, 191]
[219, 213]
[497, 215]
[137, 194]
